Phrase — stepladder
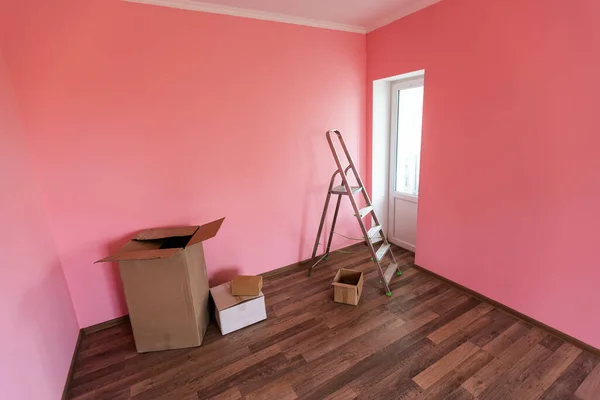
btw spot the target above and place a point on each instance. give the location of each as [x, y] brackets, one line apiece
[352, 187]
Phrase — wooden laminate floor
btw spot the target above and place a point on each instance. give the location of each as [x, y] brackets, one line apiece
[429, 341]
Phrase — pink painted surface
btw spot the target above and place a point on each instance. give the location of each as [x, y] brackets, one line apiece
[39, 327]
[509, 202]
[143, 116]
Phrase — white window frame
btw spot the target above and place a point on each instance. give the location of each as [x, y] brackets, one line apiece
[396, 87]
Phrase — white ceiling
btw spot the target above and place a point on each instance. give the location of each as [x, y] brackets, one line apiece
[346, 15]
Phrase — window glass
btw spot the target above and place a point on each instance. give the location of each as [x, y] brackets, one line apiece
[408, 159]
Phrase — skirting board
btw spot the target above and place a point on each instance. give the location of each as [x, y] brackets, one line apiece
[67, 389]
[82, 333]
[403, 244]
[305, 264]
[514, 312]
[105, 325]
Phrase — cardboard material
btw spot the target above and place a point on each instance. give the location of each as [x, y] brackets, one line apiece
[236, 312]
[347, 286]
[246, 285]
[166, 286]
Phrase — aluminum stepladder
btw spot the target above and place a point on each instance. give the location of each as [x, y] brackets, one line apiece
[372, 236]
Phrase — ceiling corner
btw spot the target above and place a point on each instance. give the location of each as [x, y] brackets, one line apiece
[411, 8]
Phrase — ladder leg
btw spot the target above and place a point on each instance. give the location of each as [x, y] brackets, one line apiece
[388, 291]
[337, 208]
[323, 217]
[393, 258]
[391, 253]
[314, 253]
[386, 286]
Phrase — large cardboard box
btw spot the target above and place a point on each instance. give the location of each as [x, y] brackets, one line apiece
[166, 285]
[347, 286]
[236, 312]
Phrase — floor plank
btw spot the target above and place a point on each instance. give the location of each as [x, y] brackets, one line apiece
[448, 363]
[345, 393]
[452, 327]
[493, 371]
[566, 385]
[231, 394]
[590, 388]
[542, 376]
[508, 383]
[428, 341]
[448, 384]
[507, 338]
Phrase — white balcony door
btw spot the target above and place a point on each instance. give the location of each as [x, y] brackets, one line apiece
[405, 160]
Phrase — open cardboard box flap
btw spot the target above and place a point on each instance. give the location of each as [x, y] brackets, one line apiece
[162, 243]
[163, 233]
[224, 299]
[206, 231]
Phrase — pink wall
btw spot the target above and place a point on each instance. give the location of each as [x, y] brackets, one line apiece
[142, 116]
[39, 328]
[509, 202]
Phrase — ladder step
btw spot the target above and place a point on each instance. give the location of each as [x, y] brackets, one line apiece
[373, 231]
[365, 211]
[389, 272]
[376, 240]
[342, 190]
[382, 251]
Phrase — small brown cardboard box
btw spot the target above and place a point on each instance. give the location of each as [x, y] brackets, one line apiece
[347, 286]
[246, 285]
[166, 286]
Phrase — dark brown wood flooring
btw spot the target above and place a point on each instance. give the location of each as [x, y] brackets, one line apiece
[428, 341]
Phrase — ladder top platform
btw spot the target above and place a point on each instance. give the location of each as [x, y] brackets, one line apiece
[342, 190]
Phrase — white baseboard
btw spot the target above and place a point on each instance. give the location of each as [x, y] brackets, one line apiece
[403, 244]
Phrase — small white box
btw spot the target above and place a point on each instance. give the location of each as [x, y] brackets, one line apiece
[237, 312]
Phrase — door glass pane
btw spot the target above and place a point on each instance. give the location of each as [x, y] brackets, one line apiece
[408, 155]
